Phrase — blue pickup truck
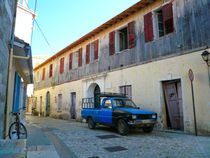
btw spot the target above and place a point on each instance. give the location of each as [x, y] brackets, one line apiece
[118, 111]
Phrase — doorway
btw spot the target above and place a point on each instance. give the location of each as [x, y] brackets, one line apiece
[73, 105]
[174, 107]
[48, 104]
[40, 106]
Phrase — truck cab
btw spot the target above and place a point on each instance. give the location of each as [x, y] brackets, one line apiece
[120, 112]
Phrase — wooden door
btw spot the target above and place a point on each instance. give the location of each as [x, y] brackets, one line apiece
[173, 97]
[40, 109]
[73, 105]
[48, 104]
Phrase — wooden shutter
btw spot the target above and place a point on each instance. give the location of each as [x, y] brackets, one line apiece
[148, 28]
[61, 65]
[96, 50]
[88, 54]
[168, 18]
[70, 61]
[43, 74]
[51, 69]
[131, 34]
[111, 43]
[80, 58]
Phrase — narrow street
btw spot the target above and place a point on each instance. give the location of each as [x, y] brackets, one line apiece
[54, 138]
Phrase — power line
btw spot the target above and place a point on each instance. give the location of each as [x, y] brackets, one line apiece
[40, 28]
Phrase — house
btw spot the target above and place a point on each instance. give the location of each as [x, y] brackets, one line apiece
[16, 63]
[145, 52]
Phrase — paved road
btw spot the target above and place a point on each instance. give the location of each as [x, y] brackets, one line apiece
[74, 139]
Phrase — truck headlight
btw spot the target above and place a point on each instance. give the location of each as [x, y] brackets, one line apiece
[153, 116]
[134, 117]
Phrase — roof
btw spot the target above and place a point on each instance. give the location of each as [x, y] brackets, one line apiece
[133, 9]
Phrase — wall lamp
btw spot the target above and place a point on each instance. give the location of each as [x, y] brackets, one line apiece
[206, 57]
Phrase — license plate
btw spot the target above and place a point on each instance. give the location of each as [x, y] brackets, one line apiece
[146, 121]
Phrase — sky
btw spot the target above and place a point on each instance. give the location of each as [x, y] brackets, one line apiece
[65, 21]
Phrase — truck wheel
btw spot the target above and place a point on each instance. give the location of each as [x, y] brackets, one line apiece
[122, 127]
[91, 123]
[148, 129]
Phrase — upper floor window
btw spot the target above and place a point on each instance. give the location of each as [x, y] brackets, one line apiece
[92, 52]
[37, 76]
[160, 23]
[122, 39]
[75, 57]
[61, 65]
[50, 70]
[43, 74]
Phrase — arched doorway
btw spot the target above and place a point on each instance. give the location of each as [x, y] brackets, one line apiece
[92, 92]
[48, 104]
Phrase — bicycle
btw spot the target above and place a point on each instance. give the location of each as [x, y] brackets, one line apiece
[17, 130]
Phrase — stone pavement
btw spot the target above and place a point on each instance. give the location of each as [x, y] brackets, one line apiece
[12, 148]
[74, 139]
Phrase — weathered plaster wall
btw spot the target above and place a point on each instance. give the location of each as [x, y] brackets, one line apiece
[191, 23]
[147, 92]
[7, 9]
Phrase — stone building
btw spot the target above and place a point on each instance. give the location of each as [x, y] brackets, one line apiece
[144, 52]
[15, 64]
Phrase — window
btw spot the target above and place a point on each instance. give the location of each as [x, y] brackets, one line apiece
[127, 90]
[163, 23]
[61, 65]
[108, 104]
[122, 39]
[60, 102]
[50, 70]
[92, 52]
[37, 76]
[43, 74]
[75, 57]
[80, 58]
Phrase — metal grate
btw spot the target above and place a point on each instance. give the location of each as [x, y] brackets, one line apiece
[115, 148]
[94, 157]
[107, 136]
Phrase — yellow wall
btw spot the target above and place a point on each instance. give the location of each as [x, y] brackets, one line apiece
[147, 92]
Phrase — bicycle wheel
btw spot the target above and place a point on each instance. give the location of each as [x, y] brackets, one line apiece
[14, 133]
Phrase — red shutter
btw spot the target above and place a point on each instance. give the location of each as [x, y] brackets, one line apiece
[80, 58]
[51, 69]
[168, 18]
[88, 54]
[96, 50]
[70, 61]
[61, 65]
[43, 74]
[111, 43]
[148, 28]
[131, 34]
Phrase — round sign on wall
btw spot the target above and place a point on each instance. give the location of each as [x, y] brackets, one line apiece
[191, 75]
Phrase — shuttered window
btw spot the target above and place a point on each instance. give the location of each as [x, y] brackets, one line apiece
[70, 61]
[127, 90]
[50, 70]
[88, 54]
[80, 58]
[43, 74]
[148, 27]
[96, 50]
[61, 65]
[168, 23]
[111, 43]
[131, 34]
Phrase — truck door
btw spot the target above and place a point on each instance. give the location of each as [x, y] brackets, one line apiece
[105, 114]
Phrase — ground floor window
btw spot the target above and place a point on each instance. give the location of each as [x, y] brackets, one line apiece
[60, 102]
[127, 90]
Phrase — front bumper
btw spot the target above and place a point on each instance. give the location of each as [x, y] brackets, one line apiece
[142, 122]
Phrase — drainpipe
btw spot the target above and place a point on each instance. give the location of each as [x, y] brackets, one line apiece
[9, 75]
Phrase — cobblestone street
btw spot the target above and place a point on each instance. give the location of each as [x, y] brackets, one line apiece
[75, 139]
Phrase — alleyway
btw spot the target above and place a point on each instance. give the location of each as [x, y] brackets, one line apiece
[58, 138]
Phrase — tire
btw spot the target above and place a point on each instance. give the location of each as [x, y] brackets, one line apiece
[91, 123]
[122, 127]
[13, 134]
[148, 129]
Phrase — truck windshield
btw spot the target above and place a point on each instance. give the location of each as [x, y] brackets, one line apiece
[123, 103]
